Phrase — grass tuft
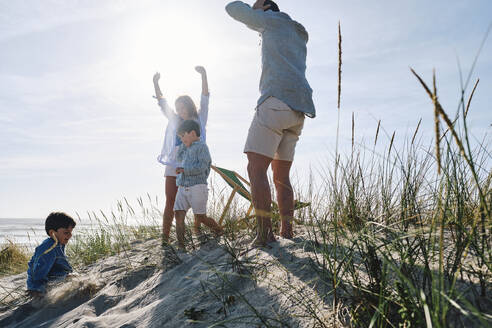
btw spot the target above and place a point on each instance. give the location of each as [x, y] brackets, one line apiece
[13, 258]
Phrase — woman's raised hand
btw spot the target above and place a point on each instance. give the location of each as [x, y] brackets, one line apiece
[203, 73]
[200, 69]
[158, 93]
[156, 77]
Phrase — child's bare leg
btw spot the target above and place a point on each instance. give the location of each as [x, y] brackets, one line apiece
[180, 228]
[209, 222]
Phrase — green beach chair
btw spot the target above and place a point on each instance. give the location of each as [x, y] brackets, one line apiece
[235, 181]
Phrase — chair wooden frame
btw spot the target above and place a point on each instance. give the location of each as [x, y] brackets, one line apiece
[238, 188]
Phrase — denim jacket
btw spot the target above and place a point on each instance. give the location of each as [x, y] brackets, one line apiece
[196, 162]
[283, 56]
[47, 265]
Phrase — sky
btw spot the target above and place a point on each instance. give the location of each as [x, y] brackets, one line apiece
[79, 129]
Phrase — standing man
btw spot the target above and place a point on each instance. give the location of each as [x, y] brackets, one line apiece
[286, 98]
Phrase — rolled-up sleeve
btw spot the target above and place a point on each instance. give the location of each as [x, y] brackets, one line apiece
[242, 12]
[203, 114]
[166, 110]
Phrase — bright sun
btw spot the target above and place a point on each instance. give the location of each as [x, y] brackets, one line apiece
[170, 46]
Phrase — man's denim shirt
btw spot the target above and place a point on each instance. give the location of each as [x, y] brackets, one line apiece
[45, 267]
[196, 161]
[283, 56]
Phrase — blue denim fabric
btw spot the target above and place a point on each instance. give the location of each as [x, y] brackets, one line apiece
[45, 267]
[196, 161]
[283, 56]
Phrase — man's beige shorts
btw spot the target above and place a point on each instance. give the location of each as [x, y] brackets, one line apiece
[275, 130]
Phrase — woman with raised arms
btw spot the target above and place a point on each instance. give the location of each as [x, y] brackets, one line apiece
[185, 110]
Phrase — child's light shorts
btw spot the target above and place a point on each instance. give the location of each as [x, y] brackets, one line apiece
[275, 130]
[194, 197]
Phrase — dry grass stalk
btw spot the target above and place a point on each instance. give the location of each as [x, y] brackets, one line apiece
[339, 64]
[353, 130]
[438, 108]
[416, 130]
[466, 110]
[391, 143]
[451, 128]
[438, 140]
[471, 96]
[436, 124]
[377, 133]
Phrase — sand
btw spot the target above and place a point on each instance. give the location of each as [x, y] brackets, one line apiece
[155, 286]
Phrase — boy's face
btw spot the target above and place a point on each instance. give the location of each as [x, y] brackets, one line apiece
[63, 235]
[188, 138]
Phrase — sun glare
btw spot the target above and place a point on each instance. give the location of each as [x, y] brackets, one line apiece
[172, 47]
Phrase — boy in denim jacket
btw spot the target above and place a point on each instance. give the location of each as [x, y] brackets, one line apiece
[49, 261]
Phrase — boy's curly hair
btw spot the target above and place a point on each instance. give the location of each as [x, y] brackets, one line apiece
[58, 220]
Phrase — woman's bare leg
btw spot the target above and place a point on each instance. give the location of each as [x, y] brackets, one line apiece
[167, 219]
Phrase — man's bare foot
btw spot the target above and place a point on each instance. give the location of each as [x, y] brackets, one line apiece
[218, 232]
[287, 233]
[286, 230]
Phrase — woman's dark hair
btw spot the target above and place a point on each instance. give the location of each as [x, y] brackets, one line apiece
[58, 220]
[188, 126]
[273, 5]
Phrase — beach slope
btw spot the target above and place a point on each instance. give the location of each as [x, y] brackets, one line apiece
[153, 286]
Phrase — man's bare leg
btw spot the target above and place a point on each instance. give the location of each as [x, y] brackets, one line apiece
[262, 199]
[209, 222]
[180, 228]
[197, 229]
[285, 195]
[168, 216]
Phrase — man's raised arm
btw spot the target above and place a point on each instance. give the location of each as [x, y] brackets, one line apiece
[254, 17]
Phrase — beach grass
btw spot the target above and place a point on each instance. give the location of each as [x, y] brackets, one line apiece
[13, 258]
[395, 238]
[114, 233]
[391, 241]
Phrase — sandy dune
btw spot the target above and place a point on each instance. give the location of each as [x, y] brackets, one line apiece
[152, 286]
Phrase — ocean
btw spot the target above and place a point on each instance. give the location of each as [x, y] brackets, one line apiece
[30, 232]
[27, 232]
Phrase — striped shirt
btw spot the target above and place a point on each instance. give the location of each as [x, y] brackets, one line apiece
[195, 161]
